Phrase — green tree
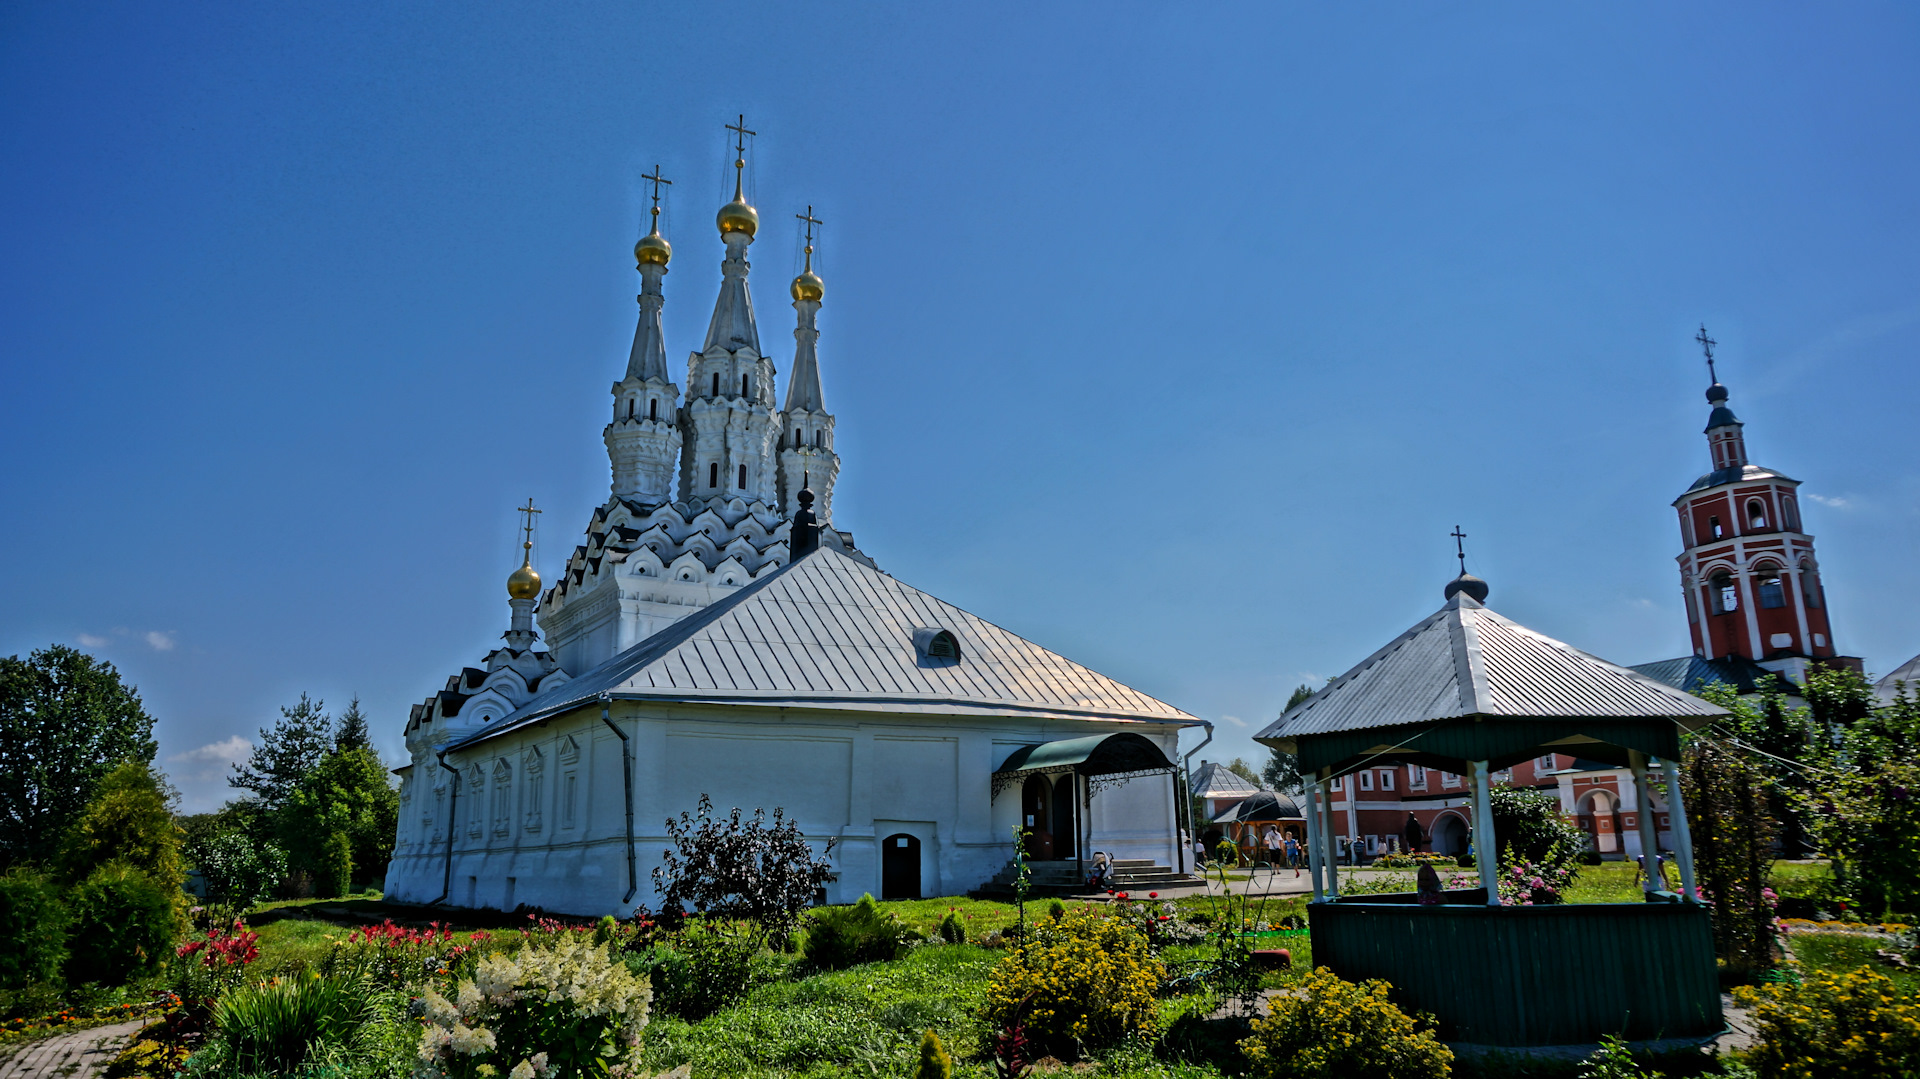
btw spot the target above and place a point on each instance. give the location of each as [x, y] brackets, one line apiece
[33, 922]
[129, 821]
[66, 720]
[1282, 772]
[1239, 766]
[1726, 800]
[294, 746]
[347, 794]
[352, 732]
[935, 1061]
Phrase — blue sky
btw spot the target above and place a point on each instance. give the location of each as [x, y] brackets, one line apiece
[1174, 338]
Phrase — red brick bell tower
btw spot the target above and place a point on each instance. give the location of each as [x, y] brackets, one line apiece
[1751, 580]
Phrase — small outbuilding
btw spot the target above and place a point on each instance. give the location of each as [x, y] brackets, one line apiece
[1468, 691]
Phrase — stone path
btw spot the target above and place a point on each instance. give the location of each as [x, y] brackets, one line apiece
[82, 1054]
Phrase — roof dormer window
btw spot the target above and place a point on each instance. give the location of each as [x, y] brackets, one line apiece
[936, 647]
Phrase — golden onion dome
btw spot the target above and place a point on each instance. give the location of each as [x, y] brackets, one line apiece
[524, 583]
[737, 216]
[652, 250]
[808, 286]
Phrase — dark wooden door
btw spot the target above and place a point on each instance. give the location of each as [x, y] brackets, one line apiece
[1065, 826]
[900, 867]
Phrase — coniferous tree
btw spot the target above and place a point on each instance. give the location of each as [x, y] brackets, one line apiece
[1282, 772]
[66, 720]
[352, 732]
[293, 747]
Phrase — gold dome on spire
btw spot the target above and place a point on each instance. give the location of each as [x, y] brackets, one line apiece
[653, 248]
[808, 287]
[737, 216]
[524, 583]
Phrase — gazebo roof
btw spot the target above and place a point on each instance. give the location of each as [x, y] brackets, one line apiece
[1466, 684]
[1261, 806]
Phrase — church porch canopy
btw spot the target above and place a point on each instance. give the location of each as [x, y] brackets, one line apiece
[1105, 758]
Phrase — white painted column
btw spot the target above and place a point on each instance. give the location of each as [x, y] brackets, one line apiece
[1682, 833]
[1313, 837]
[1486, 848]
[1331, 855]
[1649, 827]
[1353, 813]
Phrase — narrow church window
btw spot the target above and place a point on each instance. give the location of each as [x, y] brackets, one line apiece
[716, 384]
[629, 408]
[653, 409]
[1757, 515]
[816, 438]
[1713, 527]
[569, 788]
[743, 477]
[713, 474]
[1771, 594]
[746, 385]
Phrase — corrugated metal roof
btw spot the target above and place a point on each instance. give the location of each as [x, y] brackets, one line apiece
[1888, 688]
[1465, 660]
[830, 631]
[1690, 673]
[1214, 780]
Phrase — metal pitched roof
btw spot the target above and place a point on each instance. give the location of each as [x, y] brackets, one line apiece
[1888, 688]
[1690, 673]
[1215, 780]
[831, 631]
[1464, 660]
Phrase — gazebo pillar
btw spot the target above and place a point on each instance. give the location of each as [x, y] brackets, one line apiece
[1313, 837]
[1329, 852]
[1682, 832]
[1486, 849]
[1649, 826]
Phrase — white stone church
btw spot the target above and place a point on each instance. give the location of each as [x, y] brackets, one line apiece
[731, 641]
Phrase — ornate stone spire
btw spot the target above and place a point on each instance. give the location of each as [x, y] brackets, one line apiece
[643, 438]
[807, 460]
[523, 589]
[733, 327]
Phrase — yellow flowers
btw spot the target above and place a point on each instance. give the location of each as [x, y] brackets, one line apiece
[1834, 1026]
[1086, 978]
[1336, 1028]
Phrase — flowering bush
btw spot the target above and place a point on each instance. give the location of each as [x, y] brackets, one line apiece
[1526, 884]
[1414, 861]
[560, 1007]
[1159, 922]
[1083, 981]
[1834, 1026]
[1336, 1028]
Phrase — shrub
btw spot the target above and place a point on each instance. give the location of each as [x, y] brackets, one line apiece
[1056, 909]
[1726, 799]
[702, 973]
[1085, 981]
[130, 821]
[123, 925]
[273, 1028]
[951, 930]
[739, 870]
[33, 922]
[1338, 1028]
[239, 870]
[935, 1063]
[840, 937]
[333, 868]
[556, 1008]
[1835, 1026]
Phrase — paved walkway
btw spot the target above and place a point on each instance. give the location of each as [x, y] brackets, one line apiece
[82, 1054]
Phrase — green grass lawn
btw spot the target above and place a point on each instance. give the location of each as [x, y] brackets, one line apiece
[1843, 953]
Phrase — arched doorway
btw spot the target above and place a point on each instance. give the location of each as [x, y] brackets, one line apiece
[1449, 835]
[1063, 817]
[1599, 816]
[1034, 818]
[900, 866]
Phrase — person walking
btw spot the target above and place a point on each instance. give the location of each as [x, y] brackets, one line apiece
[1274, 847]
[1293, 854]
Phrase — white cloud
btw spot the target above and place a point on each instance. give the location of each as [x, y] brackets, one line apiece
[88, 640]
[209, 763]
[1235, 720]
[160, 642]
[1838, 502]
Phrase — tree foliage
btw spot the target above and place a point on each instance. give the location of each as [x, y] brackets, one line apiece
[66, 720]
[1282, 772]
[1726, 801]
[741, 869]
[130, 820]
[33, 922]
[124, 924]
[346, 794]
[294, 746]
[351, 732]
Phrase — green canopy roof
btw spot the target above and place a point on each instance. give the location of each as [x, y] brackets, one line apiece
[1093, 755]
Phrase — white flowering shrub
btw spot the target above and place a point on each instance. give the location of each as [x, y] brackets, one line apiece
[559, 1008]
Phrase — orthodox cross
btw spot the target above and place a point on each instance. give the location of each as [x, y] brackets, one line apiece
[740, 134]
[529, 511]
[657, 180]
[1706, 345]
[1459, 547]
[811, 221]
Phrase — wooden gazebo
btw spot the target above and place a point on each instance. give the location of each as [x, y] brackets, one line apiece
[1468, 691]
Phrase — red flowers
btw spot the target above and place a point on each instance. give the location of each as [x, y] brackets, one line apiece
[230, 948]
[1153, 895]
